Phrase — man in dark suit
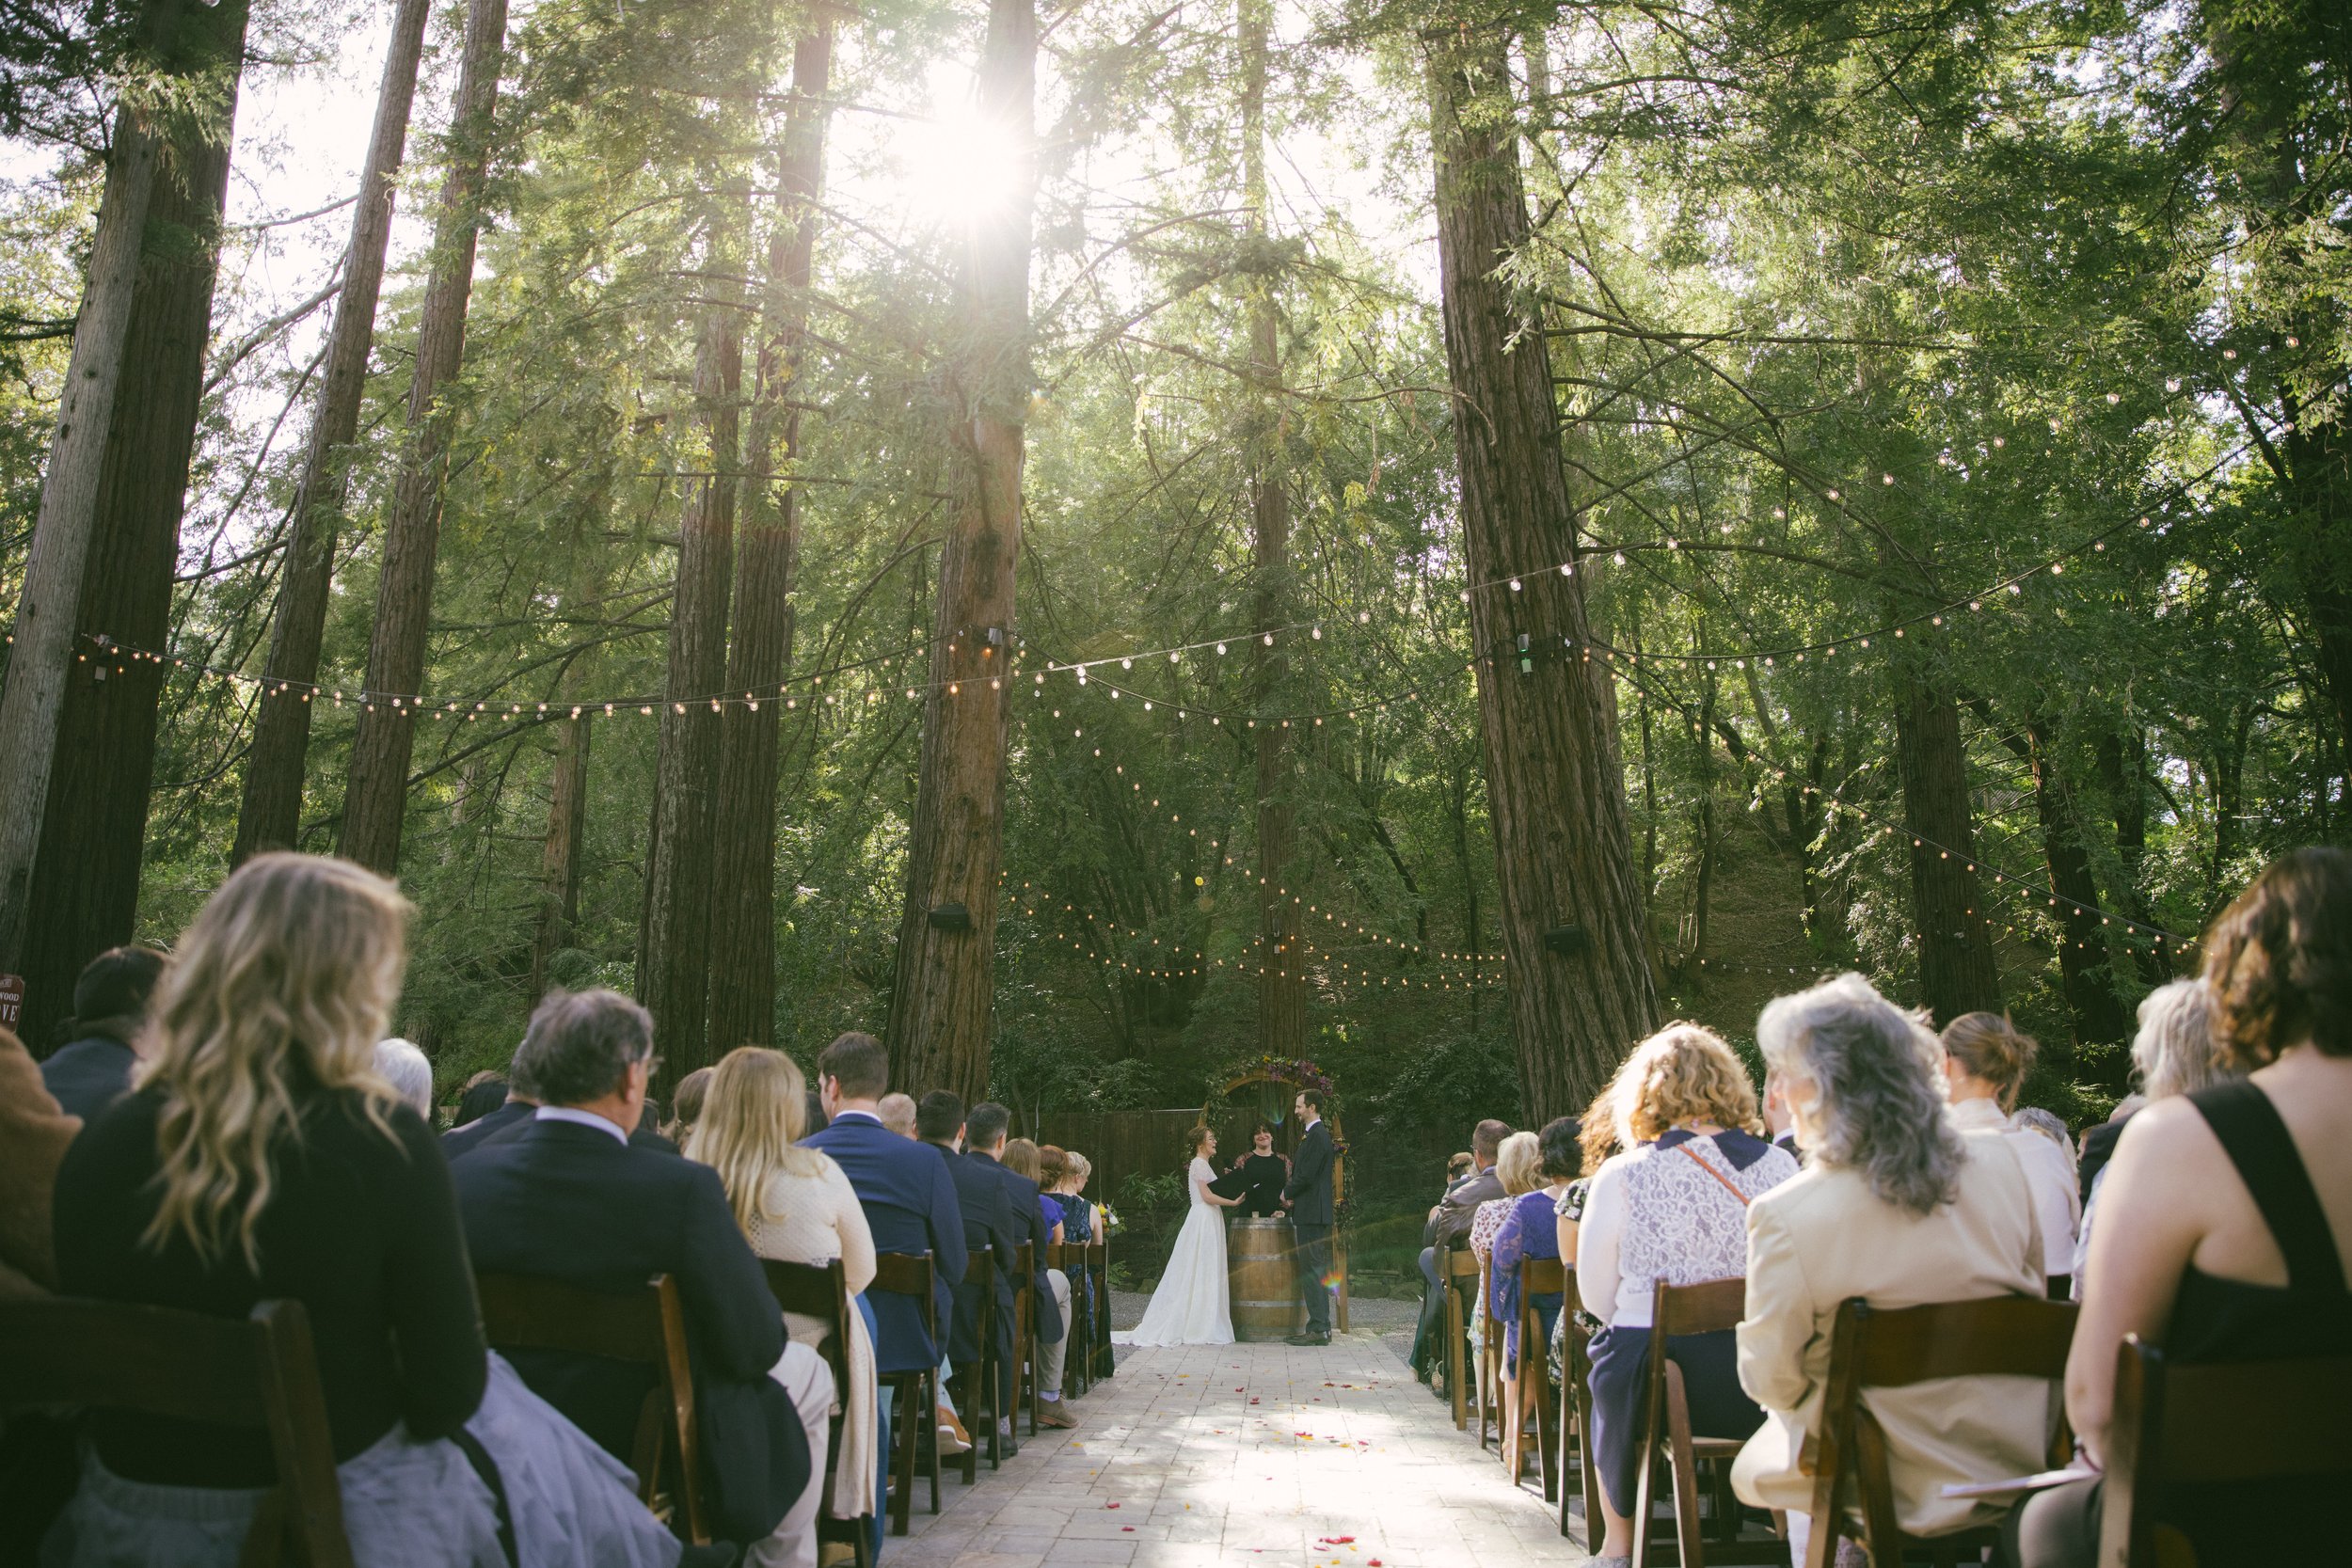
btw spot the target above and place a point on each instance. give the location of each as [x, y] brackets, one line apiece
[986, 1131]
[903, 1185]
[1449, 1227]
[1308, 1194]
[988, 1223]
[93, 1069]
[567, 1197]
[1778, 1120]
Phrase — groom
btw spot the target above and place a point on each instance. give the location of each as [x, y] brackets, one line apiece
[1308, 1194]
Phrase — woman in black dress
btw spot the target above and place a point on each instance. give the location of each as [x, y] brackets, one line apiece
[1257, 1178]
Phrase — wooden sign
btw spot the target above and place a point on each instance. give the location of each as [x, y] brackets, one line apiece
[12, 1002]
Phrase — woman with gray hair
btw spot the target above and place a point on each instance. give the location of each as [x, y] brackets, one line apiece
[1900, 1207]
[399, 1063]
[2177, 1051]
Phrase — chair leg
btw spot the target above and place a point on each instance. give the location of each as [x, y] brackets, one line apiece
[910, 1391]
[1547, 1437]
[1683, 1468]
[1641, 1502]
[1454, 1336]
[930, 1398]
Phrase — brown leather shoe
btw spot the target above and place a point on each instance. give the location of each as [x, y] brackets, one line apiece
[1050, 1414]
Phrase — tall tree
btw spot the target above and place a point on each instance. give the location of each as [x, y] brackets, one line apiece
[1282, 960]
[943, 985]
[271, 811]
[1571, 914]
[743, 857]
[1957, 974]
[376, 797]
[86, 880]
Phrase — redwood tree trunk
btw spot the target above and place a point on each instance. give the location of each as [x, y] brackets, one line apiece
[1561, 857]
[943, 985]
[42, 651]
[558, 861]
[272, 808]
[378, 797]
[86, 880]
[2085, 973]
[1956, 968]
[674, 943]
[743, 859]
[1281, 977]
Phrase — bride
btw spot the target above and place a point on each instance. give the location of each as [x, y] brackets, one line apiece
[1189, 1308]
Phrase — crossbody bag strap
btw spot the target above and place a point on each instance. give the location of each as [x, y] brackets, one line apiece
[1719, 1176]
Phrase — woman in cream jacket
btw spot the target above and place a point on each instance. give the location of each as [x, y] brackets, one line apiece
[1900, 1208]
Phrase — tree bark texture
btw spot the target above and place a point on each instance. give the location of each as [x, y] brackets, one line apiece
[85, 876]
[271, 811]
[743, 858]
[1562, 859]
[1282, 974]
[674, 943]
[1956, 968]
[943, 985]
[2085, 970]
[42, 651]
[376, 798]
[2120, 753]
[559, 860]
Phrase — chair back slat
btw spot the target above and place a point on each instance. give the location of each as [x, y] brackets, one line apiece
[909, 1273]
[2248, 1420]
[819, 1290]
[2001, 1337]
[1542, 1277]
[1461, 1263]
[1703, 1308]
[255, 1371]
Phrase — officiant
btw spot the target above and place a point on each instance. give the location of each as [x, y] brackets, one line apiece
[1256, 1178]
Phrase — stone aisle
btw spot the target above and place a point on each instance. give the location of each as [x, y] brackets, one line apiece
[1243, 1456]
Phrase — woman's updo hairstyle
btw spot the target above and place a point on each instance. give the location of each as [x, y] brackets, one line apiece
[2280, 961]
[1197, 1136]
[1989, 1045]
[1560, 1151]
[1053, 1164]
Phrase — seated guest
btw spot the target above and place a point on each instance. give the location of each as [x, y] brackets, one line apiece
[987, 1211]
[897, 1114]
[1600, 1137]
[1449, 1226]
[1671, 1208]
[1898, 1206]
[1985, 1062]
[990, 1148]
[1066, 1187]
[795, 1205]
[686, 1106]
[260, 1158]
[2176, 1051]
[2225, 1218]
[568, 1196]
[1532, 1229]
[1515, 1163]
[407, 1069]
[485, 1092]
[1777, 1121]
[110, 1000]
[1257, 1178]
[1460, 1163]
[33, 1133]
[511, 1112]
[909, 1197]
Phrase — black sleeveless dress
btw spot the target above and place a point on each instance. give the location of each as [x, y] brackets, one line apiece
[2256, 1524]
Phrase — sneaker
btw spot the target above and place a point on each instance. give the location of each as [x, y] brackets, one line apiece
[1050, 1414]
[953, 1439]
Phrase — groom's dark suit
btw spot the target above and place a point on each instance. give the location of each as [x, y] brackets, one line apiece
[1309, 1193]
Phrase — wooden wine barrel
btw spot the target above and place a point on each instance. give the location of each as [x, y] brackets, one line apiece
[1266, 1308]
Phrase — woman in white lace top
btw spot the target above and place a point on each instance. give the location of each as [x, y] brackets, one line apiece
[1673, 1207]
[796, 1206]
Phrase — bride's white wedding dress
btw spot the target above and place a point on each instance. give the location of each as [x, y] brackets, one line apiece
[1190, 1306]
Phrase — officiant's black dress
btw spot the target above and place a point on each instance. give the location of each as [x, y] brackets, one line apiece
[1257, 1180]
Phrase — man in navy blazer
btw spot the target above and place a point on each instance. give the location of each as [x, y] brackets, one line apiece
[567, 1195]
[903, 1185]
[986, 1129]
[988, 1222]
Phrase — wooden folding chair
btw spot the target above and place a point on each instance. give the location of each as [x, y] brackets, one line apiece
[1025, 1343]
[1099, 1266]
[1996, 1336]
[2180, 1424]
[1679, 1310]
[1459, 1264]
[1489, 1386]
[644, 1327]
[975, 1383]
[1071, 1258]
[821, 1291]
[1576, 1425]
[914, 1392]
[256, 1371]
[1537, 1276]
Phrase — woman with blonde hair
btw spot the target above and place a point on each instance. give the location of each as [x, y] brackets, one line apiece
[260, 1157]
[1985, 1061]
[796, 1206]
[1673, 1209]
